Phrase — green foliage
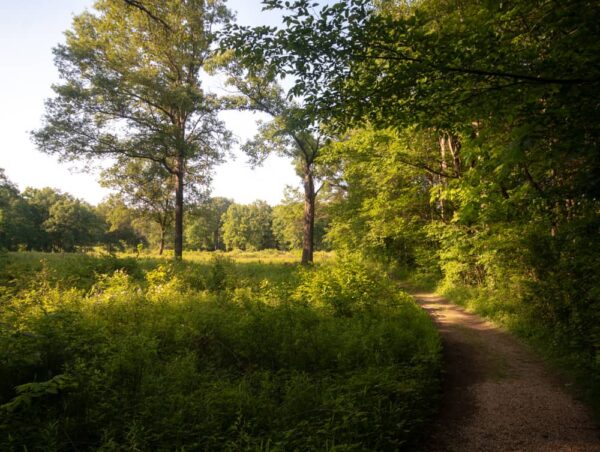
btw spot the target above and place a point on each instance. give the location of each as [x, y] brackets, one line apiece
[28, 392]
[204, 224]
[288, 224]
[221, 274]
[288, 221]
[123, 229]
[145, 359]
[290, 131]
[71, 222]
[145, 187]
[13, 213]
[471, 145]
[248, 227]
[131, 89]
[558, 330]
[40, 201]
[383, 203]
[347, 287]
[46, 219]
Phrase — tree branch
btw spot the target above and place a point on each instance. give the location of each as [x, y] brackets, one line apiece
[473, 71]
[139, 5]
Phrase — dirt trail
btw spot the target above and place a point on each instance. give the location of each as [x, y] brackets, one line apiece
[498, 396]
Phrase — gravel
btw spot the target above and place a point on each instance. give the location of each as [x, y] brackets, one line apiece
[497, 395]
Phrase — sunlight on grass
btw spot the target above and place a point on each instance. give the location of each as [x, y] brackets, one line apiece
[265, 256]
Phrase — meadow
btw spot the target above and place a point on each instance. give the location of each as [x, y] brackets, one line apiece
[217, 352]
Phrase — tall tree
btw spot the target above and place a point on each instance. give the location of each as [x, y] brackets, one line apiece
[131, 88]
[290, 132]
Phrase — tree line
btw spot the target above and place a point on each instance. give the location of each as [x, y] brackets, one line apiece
[45, 219]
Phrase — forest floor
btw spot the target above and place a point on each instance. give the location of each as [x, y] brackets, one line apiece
[499, 396]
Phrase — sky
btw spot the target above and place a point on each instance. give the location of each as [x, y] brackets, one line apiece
[29, 29]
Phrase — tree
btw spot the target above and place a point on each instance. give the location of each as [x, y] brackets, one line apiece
[260, 232]
[73, 223]
[389, 59]
[120, 219]
[288, 221]
[383, 206]
[290, 132]
[131, 88]
[203, 229]
[39, 202]
[509, 90]
[46, 219]
[146, 188]
[14, 219]
[248, 227]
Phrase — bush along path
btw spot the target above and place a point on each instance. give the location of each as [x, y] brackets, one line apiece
[498, 396]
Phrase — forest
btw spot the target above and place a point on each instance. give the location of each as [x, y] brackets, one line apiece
[142, 220]
[448, 146]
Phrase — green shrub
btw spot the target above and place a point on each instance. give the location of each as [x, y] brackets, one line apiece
[347, 287]
[167, 361]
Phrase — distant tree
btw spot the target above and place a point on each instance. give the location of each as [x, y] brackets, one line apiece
[235, 227]
[39, 202]
[248, 227]
[288, 224]
[261, 226]
[14, 223]
[203, 230]
[120, 219]
[49, 220]
[72, 223]
[145, 187]
[131, 88]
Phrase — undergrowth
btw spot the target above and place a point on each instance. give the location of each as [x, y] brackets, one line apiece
[125, 354]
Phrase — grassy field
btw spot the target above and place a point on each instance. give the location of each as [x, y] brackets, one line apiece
[218, 352]
[264, 256]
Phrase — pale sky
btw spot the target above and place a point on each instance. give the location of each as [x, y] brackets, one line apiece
[29, 29]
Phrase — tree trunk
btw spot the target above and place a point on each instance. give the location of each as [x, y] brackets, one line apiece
[162, 240]
[179, 209]
[443, 168]
[309, 217]
[454, 147]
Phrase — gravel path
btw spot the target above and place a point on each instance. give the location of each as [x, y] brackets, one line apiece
[498, 396]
